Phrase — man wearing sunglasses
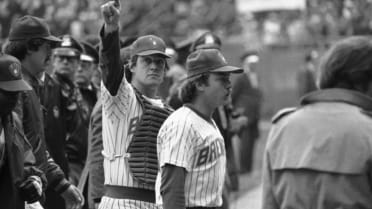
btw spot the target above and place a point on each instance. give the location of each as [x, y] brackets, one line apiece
[131, 115]
[68, 111]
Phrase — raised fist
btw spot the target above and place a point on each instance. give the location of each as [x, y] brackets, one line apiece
[111, 13]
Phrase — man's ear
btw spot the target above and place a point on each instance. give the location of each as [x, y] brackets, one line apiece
[132, 69]
[132, 66]
[200, 86]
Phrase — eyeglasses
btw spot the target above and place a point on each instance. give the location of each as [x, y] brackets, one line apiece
[60, 58]
[147, 60]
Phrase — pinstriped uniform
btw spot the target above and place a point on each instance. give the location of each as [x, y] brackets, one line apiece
[189, 141]
[119, 116]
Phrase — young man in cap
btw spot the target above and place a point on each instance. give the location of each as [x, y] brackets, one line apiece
[30, 41]
[131, 115]
[326, 164]
[20, 181]
[191, 149]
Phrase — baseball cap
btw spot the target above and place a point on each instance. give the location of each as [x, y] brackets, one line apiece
[10, 74]
[207, 40]
[69, 46]
[208, 61]
[149, 44]
[28, 27]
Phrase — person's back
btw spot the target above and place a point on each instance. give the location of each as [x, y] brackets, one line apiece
[319, 154]
[312, 166]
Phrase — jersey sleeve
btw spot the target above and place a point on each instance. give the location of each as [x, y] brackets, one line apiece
[175, 143]
[121, 102]
[110, 64]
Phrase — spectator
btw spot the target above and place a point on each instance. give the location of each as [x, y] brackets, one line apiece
[319, 154]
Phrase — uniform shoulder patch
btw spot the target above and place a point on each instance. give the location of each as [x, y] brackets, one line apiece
[281, 113]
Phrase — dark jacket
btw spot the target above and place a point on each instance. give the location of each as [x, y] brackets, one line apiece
[74, 118]
[77, 144]
[55, 121]
[18, 165]
[30, 112]
[60, 119]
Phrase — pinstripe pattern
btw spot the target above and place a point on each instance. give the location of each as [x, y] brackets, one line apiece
[110, 203]
[118, 112]
[187, 140]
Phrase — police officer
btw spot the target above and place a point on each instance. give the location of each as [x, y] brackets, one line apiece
[67, 112]
[19, 180]
[84, 74]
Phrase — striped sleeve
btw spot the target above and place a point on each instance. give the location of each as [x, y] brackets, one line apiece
[174, 143]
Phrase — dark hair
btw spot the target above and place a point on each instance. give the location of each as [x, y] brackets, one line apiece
[188, 88]
[347, 64]
[19, 48]
[129, 65]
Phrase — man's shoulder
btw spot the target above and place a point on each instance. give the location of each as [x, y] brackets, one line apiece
[282, 114]
[179, 116]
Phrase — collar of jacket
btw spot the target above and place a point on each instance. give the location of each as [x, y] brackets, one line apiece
[31, 79]
[64, 82]
[339, 95]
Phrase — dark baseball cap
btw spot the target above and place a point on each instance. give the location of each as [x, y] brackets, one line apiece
[28, 27]
[148, 45]
[10, 74]
[69, 46]
[208, 61]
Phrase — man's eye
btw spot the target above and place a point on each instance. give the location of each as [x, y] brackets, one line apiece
[159, 62]
[147, 60]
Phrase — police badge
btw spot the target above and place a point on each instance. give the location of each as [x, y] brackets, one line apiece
[56, 112]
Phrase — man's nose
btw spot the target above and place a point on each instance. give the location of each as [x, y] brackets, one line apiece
[154, 67]
[65, 60]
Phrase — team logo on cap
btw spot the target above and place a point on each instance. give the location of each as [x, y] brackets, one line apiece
[209, 39]
[66, 41]
[15, 69]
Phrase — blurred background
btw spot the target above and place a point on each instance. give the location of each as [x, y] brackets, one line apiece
[283, 31]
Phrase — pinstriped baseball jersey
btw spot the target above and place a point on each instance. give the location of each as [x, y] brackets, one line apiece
[120, 115]
[187, 140]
